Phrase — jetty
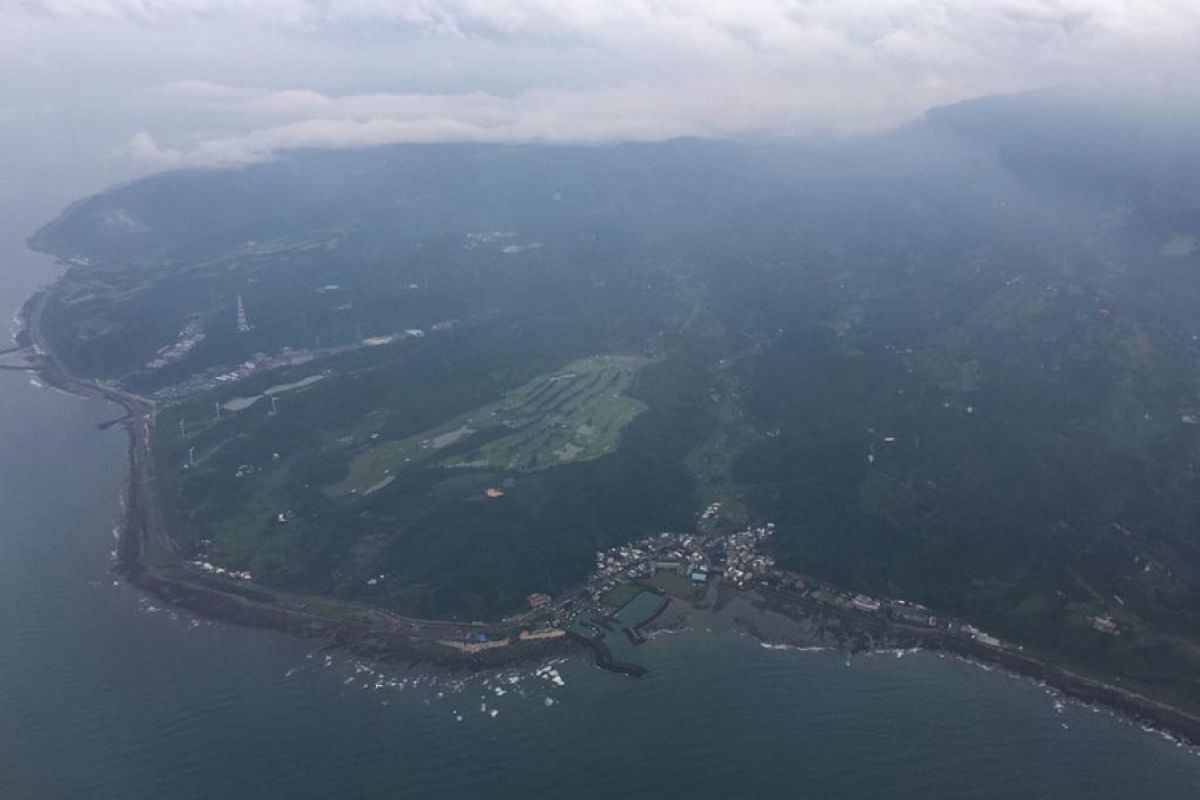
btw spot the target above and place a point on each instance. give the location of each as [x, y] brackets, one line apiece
[613, 639]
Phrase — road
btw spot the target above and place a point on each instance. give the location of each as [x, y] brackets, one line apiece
[144, 513]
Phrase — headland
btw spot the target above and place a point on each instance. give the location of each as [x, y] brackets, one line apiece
[660, 583]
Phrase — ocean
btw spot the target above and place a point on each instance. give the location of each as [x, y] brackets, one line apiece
[105, 694]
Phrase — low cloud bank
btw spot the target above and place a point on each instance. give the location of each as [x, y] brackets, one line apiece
[251, 77]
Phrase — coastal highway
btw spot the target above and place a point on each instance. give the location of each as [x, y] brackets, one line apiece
[144, 519]
[142, 512]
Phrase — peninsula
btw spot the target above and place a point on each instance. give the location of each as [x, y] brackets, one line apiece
[470, 404]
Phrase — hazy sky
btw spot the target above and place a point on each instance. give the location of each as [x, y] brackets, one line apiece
[168, 82]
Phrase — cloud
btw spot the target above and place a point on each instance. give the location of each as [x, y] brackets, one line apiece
[294, 118]
[254, 76]
[143, 149]
[718, 23]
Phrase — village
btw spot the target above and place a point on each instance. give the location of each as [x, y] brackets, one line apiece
[692, 566]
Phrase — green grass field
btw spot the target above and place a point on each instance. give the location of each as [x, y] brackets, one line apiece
[674, 583]
[621, 594]
[573, 414]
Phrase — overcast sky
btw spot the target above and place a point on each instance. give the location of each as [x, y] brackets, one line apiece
[168, 82]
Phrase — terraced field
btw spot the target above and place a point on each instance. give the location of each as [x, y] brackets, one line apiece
[573, 414]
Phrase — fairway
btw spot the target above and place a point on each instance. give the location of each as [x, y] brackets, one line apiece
[573, 414]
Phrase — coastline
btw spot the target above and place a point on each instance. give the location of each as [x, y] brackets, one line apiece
[378, 634]
[775, 618]
[363, 631]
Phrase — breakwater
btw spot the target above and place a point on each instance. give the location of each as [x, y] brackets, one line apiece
[613, 639]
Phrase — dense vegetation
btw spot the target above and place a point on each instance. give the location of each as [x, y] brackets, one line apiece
[957, 363]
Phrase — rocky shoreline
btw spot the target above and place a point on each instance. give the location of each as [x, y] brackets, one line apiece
[771, 618]
[373, 634]
[778, 619]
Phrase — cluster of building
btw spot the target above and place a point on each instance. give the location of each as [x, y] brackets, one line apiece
[739, 559]
[379, 341]
[259, 362]
[212, 569]
[618, 565]
[190, 336]
[287, 357]
[475, 240]
[736, 556]
[743, 560]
